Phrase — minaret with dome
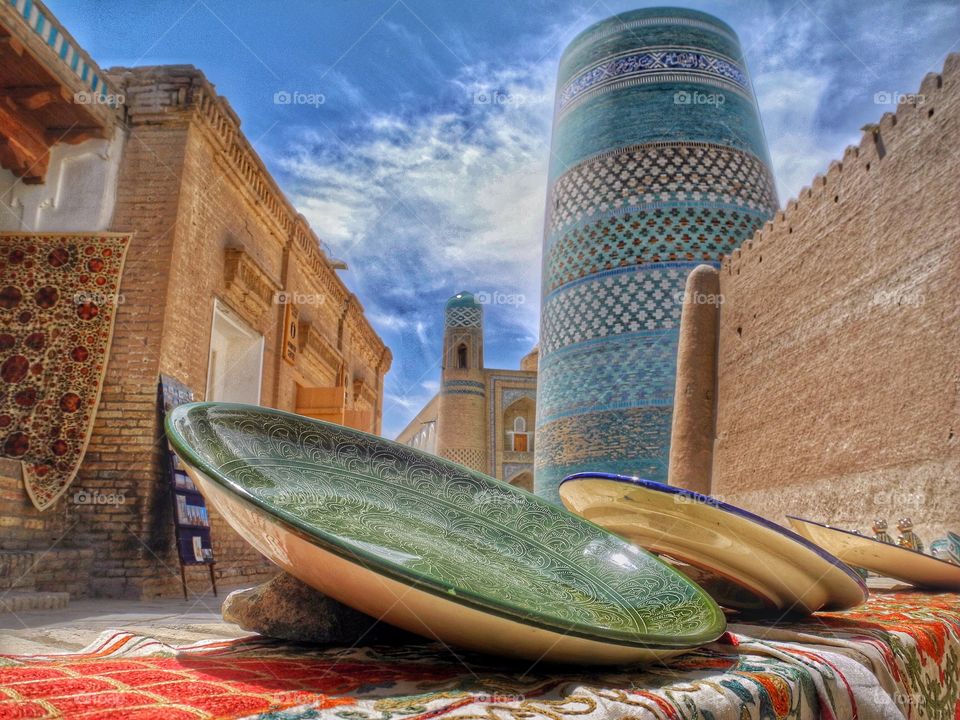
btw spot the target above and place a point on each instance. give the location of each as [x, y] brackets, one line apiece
[481, 417]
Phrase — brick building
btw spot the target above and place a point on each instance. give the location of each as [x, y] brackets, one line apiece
[482, 417]
[225, 288]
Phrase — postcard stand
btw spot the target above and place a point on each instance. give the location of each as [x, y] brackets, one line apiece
[191, 520]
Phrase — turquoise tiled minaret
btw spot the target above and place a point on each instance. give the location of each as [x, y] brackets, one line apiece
[659, 163]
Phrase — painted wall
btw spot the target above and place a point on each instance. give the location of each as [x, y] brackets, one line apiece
[79, 194]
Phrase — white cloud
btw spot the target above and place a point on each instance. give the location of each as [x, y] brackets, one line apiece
[457, 192]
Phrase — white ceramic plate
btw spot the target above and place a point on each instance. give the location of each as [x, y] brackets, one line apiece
[784, 570]
[882, 558]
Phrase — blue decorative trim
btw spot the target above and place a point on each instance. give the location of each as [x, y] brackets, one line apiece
[699, 499]
[47, 29]
[678, 264]
[464, 383]
[462, 392]
[652, 65]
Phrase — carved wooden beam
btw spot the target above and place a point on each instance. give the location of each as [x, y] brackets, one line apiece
[23, 149]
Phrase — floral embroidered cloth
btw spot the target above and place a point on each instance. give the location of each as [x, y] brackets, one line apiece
[58, 300]
[896, 657]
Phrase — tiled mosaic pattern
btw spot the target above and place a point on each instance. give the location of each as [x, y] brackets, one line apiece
[644, 189]
[464, 387]
[459, 316]
[698, 174]
[626, 441]
[633, 300]
[622, 372]
[658, 234]
[653, 65]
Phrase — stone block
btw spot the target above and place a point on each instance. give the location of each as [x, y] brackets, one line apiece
[288, 609]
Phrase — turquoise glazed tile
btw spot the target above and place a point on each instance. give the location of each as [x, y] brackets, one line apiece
[659, 163]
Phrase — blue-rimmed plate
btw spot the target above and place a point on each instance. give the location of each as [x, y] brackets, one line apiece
[781, 569]
[891, 561]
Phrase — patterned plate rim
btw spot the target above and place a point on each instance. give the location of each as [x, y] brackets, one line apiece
[525, 615]
[864, 537]
[734, 510]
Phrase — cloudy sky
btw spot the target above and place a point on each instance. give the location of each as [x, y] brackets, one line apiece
[418, 136]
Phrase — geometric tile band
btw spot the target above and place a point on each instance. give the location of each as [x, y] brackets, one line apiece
[463, 317]
[631, 300]
[627, 371]
[681, 232]
[629, 442]
[647, 175]
[654, 65]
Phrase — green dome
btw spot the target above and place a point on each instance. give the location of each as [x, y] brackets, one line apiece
[462, 299]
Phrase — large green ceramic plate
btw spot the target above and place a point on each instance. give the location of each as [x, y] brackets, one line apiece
[433, 547]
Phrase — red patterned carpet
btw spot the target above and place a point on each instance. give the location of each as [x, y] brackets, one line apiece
[58, 300]
[897, 657]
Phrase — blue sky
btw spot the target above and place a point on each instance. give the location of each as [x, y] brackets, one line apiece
[423, 188]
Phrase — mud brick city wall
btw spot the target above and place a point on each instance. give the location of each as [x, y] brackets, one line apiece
[839, 361]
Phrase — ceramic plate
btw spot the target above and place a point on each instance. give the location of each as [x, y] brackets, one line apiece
[882, 558]
[954, 546]
[433, 547]
[781, 569]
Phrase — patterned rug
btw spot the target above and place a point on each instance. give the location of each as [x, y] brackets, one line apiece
[897, 657]
[58, 299]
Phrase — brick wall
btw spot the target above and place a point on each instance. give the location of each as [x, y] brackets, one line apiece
[839, 382]
[196, 197]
